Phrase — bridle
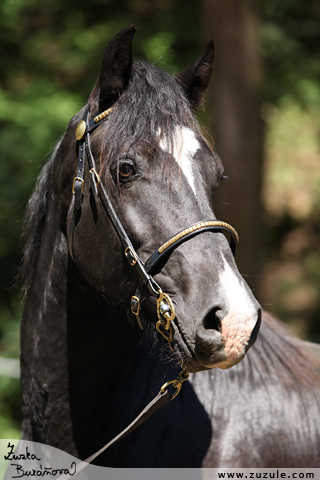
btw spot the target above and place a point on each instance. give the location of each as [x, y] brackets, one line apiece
[158, 259]
[145, 271]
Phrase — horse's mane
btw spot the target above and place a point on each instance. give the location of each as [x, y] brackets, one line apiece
[34, 221]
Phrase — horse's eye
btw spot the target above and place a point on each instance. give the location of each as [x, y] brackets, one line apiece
[126, 170]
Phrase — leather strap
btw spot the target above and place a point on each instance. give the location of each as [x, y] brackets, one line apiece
[78, 181]
[159, 401]
[159, 258]
[129, 250]
[84, 147]
[94, 177]
[78, 184]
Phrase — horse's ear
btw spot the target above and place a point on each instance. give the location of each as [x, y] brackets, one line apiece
[115, 71]
[195, 78]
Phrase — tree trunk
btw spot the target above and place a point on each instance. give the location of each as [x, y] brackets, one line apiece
[237, 127]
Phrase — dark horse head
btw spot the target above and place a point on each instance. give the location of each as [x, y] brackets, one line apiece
[160, 175]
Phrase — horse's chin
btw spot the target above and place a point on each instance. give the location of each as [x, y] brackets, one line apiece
[189, 361]
[193, 365]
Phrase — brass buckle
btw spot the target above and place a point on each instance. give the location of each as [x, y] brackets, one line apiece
[177, 383]
[136, 299]
[74, 181]
[93, 171]
[133, 260]
[165, 316]
[167, 334]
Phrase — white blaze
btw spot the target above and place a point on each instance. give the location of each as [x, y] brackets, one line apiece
[238, 324]
[236, 292]
[185, 146]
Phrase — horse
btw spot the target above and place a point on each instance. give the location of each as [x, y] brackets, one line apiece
[128, 277]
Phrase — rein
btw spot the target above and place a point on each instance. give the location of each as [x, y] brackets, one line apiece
[145, 271]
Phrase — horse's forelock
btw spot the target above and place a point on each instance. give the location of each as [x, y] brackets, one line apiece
[148, 112]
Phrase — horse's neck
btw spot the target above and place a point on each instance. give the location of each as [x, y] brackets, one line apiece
[112, 375]
[102, 345]
[79, 354]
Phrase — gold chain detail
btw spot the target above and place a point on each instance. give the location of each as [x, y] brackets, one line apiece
[165, 318]
[197, 226]
[166, 314]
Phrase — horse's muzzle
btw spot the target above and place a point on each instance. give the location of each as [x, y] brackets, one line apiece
[224, 343]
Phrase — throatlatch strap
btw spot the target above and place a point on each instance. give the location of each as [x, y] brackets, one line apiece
[83, 136]
[94, 177]
[129, 250]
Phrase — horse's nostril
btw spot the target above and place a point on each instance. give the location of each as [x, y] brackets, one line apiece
[209, 341]
[211, 321]
[256, 329]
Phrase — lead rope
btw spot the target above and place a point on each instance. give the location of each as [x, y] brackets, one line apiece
[166, 314]
[163, 397]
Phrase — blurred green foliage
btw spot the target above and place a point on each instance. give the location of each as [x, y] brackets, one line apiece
[290, 282]
[290, 32]
[50, 52]
[291, 196]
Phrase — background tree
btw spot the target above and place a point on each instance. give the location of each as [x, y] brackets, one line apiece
[237, 126]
